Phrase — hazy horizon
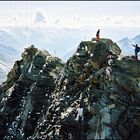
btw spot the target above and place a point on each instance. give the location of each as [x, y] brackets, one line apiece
[70, 13]
[58, 24]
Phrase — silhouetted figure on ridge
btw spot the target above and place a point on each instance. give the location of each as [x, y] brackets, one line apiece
[98, 35]
[137, 49]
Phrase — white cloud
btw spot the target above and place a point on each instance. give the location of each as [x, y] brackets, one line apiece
[11, 21]
[40, 17]
[107, 18]
[57, 21]
[76, 18]
[69, 14]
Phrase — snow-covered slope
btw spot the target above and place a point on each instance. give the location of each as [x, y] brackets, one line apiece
[69, 54]
[13, 41]
[51, 39]
[136, 39]
[126, 45]
[59, 41]
[7, 57]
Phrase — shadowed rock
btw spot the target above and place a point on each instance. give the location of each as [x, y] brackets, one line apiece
[44, 99]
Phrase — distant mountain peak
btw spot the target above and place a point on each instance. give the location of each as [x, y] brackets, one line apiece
[126, 45]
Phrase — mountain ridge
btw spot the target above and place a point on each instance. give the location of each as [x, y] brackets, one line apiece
[45, 98]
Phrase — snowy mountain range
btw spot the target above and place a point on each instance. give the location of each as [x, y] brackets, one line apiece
[7, 57]
[60, 42]
[126, 44]
[13, 41]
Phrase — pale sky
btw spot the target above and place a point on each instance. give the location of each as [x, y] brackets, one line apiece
[70, 14]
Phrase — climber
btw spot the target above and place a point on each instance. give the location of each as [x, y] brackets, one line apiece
[98, 35]
[137, 49]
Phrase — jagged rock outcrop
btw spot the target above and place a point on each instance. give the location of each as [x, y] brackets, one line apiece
[95, 95]
[25, 95]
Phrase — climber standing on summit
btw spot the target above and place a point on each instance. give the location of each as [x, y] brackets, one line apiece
[98, 35]
[137, 49]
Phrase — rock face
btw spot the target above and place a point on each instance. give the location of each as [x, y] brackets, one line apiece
[27, 92]
[95, 95]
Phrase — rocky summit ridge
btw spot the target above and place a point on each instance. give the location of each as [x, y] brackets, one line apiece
[94, 95]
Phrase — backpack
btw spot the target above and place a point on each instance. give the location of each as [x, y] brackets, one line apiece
[137, 49]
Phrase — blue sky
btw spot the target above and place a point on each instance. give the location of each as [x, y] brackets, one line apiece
[70, 14]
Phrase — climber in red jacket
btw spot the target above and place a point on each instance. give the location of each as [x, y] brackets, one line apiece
[98, 35]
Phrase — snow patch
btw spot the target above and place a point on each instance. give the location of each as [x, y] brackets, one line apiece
[30, 67]
[10, 90]
[80, 114]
